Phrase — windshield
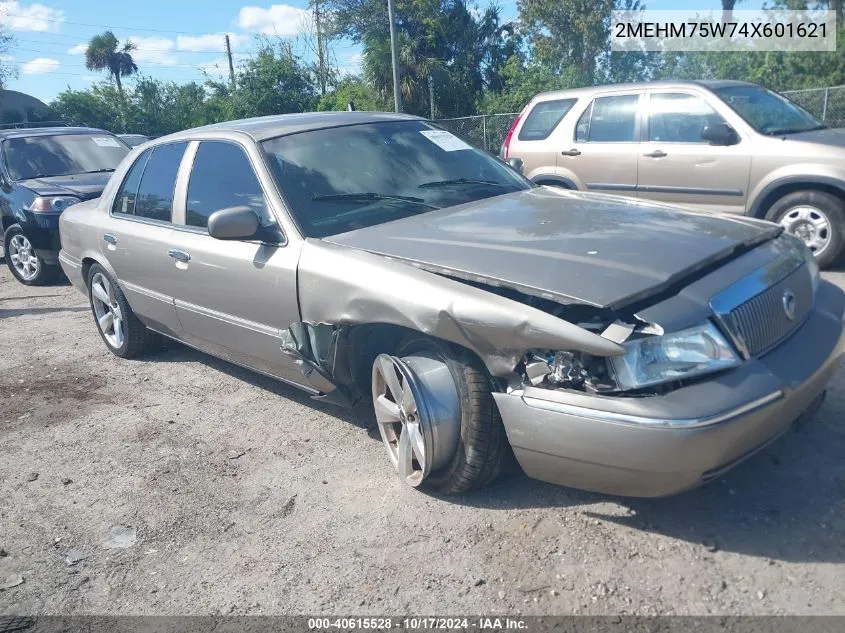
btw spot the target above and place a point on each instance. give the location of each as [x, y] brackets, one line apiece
[768, 112]
[62, 155]
[340, 179]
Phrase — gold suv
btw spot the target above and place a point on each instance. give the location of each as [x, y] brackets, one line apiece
[720, 146]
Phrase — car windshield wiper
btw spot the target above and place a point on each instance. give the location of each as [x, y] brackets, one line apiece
[369, 196]
[97, 171]
[459, 181]
[795, 130]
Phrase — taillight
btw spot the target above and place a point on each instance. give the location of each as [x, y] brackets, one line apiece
[506, 148]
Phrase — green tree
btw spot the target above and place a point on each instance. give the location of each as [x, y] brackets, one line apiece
[355, 90]
[7, 69]
[104, 53]
[96, 107]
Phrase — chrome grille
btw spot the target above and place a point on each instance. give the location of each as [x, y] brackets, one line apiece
[761, 322]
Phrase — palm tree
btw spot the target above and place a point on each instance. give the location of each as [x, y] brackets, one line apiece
[105, 53]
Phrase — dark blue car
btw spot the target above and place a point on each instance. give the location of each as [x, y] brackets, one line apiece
[42, 172]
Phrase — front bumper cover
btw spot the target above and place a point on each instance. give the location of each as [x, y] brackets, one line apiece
[662, 445]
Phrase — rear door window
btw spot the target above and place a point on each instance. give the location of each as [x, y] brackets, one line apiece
[127, 195]
[609, 120]
[676, 117]
[543, 119]
[155, 194]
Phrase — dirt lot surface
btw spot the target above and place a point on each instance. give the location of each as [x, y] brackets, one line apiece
[179, 484]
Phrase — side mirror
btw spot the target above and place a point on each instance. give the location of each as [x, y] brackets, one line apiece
[719, 134]
[234, 223]
[516, 164]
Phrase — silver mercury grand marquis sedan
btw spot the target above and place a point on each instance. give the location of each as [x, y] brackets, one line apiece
[618, 346]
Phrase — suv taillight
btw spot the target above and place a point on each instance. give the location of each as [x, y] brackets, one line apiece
[506, 146]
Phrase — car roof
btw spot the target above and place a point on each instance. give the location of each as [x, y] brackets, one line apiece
[266, 127]
[645, 85]
[48, 131]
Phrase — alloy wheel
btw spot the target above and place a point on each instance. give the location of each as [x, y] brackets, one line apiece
[810, 225]
[418, 413]
[107, 311]
[23, 257]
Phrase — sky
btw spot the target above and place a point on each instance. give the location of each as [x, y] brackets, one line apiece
[178, 40]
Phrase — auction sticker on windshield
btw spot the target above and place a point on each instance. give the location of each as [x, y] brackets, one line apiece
[445, 140]
[106, 141]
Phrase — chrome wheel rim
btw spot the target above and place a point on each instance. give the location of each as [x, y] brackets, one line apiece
[418, 412]
[107, 311]
[23, 258]
[810, 225]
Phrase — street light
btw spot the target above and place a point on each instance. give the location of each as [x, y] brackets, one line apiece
[397, 102]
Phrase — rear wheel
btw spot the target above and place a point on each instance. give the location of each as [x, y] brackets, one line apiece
[816, 218]
[120, 329]
[27, 267]
[437, 417]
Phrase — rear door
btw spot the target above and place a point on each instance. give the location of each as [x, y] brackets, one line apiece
[677, 166]
[234, 297]
[533, 144]
[602, 154]
[137, 234]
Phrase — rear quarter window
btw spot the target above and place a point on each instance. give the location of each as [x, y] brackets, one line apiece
[543, 119]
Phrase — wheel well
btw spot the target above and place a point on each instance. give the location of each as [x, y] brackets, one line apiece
[7, 222]
[362, 343]
[779, 192]
[87, 262]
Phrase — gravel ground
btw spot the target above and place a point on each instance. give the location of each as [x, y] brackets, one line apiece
[179, 484]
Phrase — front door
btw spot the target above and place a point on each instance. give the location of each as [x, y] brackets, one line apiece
[602, 155]
[236, 296]
[677, 166]
[136, 236]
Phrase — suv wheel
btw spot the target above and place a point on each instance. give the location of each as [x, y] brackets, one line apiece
[437, 418]
[27, 267]
[817, 218]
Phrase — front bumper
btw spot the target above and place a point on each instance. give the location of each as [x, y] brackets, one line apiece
[42, 231]
[662, 445]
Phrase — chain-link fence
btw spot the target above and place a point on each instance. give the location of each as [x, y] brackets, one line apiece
[489, 130]
[484, 130]
[828, 104]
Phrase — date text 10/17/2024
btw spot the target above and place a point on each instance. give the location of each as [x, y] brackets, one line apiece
[417, 623]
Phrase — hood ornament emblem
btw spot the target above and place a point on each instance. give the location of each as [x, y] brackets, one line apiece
[789, 304]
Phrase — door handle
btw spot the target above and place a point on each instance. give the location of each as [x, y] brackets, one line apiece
[656, 154]
[571, 152]
[178, 255]
[111, 239]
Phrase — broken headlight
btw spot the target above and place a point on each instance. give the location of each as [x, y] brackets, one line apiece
[674, 356]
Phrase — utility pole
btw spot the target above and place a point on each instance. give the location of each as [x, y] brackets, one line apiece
[321, 61]
[231, 65]
[431, 95]
[397, 102]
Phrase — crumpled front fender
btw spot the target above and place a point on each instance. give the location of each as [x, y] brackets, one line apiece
[347, 286]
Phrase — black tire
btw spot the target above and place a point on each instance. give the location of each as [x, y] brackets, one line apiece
[483, 448]
[825, 204]
[46, 273]
[138, 339]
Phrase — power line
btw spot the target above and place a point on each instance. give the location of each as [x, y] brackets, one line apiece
[139, 48]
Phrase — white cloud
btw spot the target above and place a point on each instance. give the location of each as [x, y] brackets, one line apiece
[278, 19]
[210, 42]
[7, 58]
[32, 17]
[79, 49]
[153, 50]
[40, 66]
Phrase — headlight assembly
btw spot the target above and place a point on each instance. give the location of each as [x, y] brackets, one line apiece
[52, 204]
[674, 356]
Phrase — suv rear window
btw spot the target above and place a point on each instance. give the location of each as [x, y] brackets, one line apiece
[544, 118]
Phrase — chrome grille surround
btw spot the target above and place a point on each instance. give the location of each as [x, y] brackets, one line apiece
[753, 310]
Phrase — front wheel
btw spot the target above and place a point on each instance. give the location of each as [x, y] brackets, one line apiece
[27, 267]
[437, 417]
[816, 218]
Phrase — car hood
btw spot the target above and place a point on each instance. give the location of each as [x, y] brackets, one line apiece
[83, 186]
[830, 137]
[566, 246]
